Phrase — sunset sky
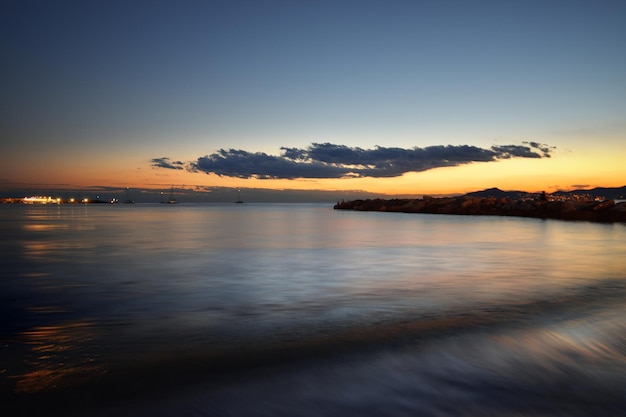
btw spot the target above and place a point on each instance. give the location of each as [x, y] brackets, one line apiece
[391, 97]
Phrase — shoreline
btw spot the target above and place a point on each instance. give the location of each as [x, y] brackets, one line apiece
[607, 211]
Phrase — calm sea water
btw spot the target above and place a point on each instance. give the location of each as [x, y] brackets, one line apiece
[300, 310]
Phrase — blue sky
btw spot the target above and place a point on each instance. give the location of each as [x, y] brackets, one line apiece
[118, 83]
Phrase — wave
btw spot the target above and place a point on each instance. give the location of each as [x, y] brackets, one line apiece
[564, 356]
[559, 355]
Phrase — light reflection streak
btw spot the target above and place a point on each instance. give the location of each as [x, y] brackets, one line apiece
[60, 357]
[37, 250]
[44, 227]
[576, 349]
[35, 274]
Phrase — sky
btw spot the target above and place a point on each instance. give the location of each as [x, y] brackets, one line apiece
[389, 97]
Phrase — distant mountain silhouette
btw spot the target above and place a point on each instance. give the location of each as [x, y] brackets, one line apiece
[618, 193]
[498, 193]
[598, 192]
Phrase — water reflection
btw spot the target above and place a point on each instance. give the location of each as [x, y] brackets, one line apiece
[44, 227]
[418, 314]
[59, 357]
[52, 251]
[568, 368]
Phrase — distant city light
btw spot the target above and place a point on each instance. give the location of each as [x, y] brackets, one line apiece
[41, 200]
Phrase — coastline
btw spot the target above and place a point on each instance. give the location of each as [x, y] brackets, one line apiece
[607, 211]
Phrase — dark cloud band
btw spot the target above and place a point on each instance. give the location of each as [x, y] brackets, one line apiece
[167, 163]
[327, 160]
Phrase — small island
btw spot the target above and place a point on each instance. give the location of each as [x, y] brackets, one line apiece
[537, 206]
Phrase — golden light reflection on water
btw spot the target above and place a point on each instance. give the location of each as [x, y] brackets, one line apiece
[35, 274]
[59, 357]
[36, 250]
[44, 227]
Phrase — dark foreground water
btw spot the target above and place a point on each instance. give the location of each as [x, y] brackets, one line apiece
[300, 310]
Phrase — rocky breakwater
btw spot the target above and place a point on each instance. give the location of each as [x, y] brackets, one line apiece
[597, 211]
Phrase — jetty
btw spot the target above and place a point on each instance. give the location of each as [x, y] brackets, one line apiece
[590, 210]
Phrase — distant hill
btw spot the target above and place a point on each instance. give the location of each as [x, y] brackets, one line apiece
[617, 193]
[498, 193]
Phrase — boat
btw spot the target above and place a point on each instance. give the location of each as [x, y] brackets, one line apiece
[171, 200]
[239, 200]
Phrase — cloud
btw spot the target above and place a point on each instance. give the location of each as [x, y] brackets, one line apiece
[545, 149]
[165, 163]
[327, 160]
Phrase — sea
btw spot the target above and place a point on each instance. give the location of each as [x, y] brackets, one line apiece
[302, 310]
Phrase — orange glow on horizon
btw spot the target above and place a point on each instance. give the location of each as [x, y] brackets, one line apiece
[587, 168]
